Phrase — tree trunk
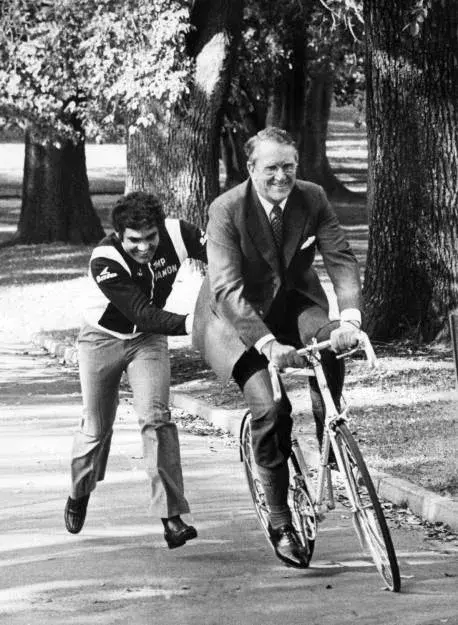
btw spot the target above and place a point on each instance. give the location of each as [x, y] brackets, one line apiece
[56, 205]
[411, 281]
[301, 103]
[314, 163]
[232, 156]
[178, 158]
[286, 107]
[241, 122]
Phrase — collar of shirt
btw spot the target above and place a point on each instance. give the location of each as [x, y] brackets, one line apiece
[267, 206]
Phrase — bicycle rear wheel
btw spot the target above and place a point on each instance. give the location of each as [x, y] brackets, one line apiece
[252, 476]
[299, 500]
[301, 505]
[368, 518]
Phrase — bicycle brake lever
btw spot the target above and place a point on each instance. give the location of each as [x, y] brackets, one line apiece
[366, 345]
[348, 353]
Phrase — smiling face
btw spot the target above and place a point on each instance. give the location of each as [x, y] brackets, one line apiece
[141, 245]
[272, 168]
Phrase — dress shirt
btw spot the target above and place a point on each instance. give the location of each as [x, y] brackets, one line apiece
[268, 206]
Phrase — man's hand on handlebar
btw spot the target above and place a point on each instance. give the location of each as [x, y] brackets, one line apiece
[345, 337]
[282, 356]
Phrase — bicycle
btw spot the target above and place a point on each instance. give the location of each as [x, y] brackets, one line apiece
[308, 503]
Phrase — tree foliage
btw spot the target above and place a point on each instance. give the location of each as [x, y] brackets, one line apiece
[331, 38]
[178, 155]
[94, 61]
[101, 63]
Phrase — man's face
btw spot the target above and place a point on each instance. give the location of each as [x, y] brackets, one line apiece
[273, 170]
[141, 245]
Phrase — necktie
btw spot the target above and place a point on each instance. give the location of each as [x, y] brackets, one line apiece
[276, 221]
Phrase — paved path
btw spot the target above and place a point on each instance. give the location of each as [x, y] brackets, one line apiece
[119, 571]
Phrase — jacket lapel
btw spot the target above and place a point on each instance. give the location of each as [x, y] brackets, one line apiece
[295, 218]
[260, 230]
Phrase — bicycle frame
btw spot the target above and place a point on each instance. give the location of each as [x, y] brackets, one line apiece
[332, 417]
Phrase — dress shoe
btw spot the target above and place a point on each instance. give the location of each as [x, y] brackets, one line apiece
[75, 513]
[288, 547]
[177, 532]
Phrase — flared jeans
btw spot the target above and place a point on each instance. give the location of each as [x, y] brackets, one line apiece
[102, 361]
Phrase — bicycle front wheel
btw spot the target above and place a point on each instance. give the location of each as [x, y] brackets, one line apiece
[368, 518]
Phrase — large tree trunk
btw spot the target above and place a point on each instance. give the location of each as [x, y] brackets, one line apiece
[56, 205]
[411, 281]
[178, 158]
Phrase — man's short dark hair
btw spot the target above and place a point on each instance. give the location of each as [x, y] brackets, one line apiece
[138, 211]
[270, 133]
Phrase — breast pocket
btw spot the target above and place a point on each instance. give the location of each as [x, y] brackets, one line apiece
[307, 243]
[304, 257]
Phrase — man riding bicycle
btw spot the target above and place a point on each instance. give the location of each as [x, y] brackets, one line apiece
[262, 300]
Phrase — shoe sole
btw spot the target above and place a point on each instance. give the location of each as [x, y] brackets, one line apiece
[173, 543]
[190, 535]
[73, 530]
[291, 563]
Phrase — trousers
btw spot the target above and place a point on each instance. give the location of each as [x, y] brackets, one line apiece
[102, 361]
[271, 423]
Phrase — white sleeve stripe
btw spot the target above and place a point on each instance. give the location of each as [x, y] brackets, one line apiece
[111, 253]
[174, 230]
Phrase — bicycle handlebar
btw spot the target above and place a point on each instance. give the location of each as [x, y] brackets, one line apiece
[363, 343]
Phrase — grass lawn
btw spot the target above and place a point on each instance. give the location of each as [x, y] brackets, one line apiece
[404, 414]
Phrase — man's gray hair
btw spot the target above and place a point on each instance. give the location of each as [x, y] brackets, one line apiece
[270, 133]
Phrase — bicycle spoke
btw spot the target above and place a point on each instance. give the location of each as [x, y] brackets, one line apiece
[376, 547]
[306, 519]
[301, 506]
[368, 518]
[254, 483]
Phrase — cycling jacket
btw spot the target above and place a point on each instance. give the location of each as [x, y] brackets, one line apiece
[126, 297]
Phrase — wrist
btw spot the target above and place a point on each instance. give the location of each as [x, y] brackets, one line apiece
[266, 349]
[351, 315]
[263, 341]
[353, 322]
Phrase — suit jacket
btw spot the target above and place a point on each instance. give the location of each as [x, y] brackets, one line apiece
[245, 273]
